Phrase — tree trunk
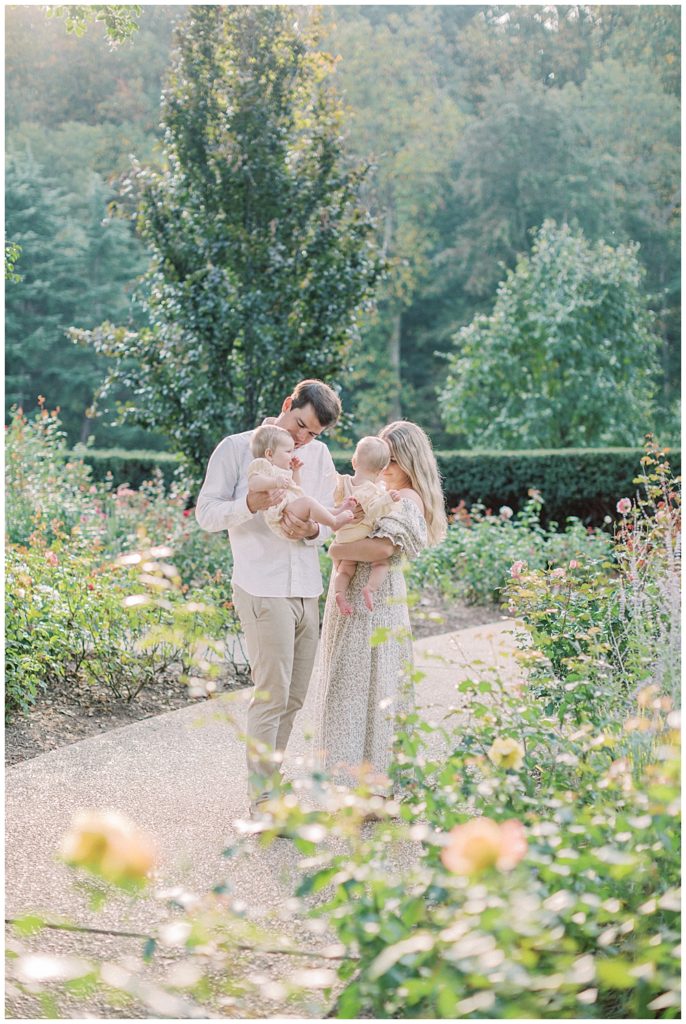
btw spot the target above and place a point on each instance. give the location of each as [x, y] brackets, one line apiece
[86, 429]
[396, 327]
[394, 360]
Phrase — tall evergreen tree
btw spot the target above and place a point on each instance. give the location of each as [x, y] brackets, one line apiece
[73, 271]
[261, 253]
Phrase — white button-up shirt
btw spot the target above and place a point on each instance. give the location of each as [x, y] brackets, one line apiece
[264, 565]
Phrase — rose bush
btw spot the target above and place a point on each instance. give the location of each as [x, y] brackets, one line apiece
[475, 560]
[66, 590]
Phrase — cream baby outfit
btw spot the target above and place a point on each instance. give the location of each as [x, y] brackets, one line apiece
[273, 514]
[375, 501]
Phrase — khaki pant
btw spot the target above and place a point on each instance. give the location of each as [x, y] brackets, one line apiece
[281, 635]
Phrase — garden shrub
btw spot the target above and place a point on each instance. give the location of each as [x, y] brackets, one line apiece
[528, 869]
[571, 912]
[602, 623]
[474, 560]
[548, 879]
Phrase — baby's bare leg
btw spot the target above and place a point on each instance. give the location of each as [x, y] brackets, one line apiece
[307, 508]
[377, 575]
[345, 570]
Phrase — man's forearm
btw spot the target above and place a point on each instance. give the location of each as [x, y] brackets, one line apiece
[215, 513]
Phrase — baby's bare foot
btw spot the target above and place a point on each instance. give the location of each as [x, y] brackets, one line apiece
[344, 607]
[368, 596]
[342, 518]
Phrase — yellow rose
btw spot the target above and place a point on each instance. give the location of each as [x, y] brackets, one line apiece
[507, 753]
[109, 845]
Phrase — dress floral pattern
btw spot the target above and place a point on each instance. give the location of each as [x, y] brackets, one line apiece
[361, 689]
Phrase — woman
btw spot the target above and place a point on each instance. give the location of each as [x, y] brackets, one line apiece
[363, 688]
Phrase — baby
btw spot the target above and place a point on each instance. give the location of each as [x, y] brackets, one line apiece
[371, 457]
[274, 465]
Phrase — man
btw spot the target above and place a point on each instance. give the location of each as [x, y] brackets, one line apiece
[276, 582]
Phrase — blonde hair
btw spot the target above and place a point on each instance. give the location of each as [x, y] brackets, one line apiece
[372, 454]
[267, 437]
[412, 451]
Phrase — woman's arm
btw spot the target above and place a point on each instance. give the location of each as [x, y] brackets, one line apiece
[371, 549]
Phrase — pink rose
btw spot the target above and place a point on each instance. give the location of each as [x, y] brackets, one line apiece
[574, 564]
[516, 569]
[51, 558]
[624, 506]
[559, 573]
[506, 512]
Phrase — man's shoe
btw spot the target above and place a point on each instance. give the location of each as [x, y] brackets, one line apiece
[264, 819]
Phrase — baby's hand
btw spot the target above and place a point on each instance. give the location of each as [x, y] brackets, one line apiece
[296, 463]
[395, 495]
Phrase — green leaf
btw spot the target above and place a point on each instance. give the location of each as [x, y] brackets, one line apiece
[615, 973]
[29, 924]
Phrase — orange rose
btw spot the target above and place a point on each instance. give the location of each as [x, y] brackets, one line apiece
[483, 843]
[109, 845]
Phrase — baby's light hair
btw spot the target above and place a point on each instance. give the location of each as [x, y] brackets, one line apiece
[372, 454]
[267, 437]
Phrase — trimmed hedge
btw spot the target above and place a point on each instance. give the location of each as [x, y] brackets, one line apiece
[582, 482]
[128, 466]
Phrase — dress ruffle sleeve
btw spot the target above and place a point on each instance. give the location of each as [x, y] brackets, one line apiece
[405, 526]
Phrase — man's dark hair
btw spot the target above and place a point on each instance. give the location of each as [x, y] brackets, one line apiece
[322, 398]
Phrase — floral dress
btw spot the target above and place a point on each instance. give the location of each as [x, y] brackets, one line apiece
[362, 688]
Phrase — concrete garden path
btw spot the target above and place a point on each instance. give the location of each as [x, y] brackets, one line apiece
[181, 778]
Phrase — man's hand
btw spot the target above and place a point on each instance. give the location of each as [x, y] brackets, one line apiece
[259, 500]
[297, 528]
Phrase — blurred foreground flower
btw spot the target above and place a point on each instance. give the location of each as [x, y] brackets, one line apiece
[109, 845]
[483, 843]
[507, 753]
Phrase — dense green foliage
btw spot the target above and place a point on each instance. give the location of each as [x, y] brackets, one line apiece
[119, 19]
[568, 357]
[75, 112]
[480, 123]
[73, 269]
[261, 252]
[566, 112]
